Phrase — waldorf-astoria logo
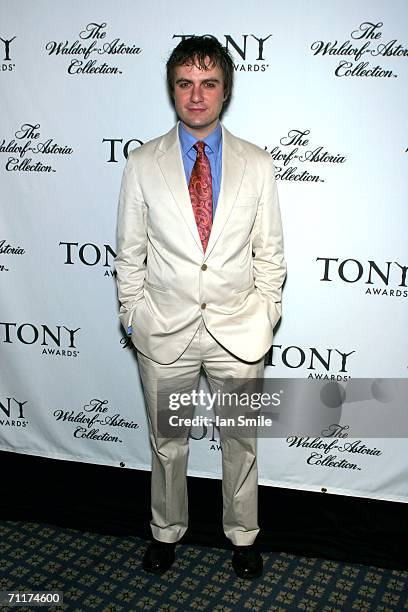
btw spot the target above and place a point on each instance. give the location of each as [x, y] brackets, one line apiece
[96, 256]
[249, 51]
[376, 278]
[97, 421]
[333, 450]
[297, 159]
[28, 151]
[8, 249]
[364, 53]
[92, 52]
[6, 54]
[50, 340]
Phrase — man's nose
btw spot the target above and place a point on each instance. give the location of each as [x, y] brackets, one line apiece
[196, 93]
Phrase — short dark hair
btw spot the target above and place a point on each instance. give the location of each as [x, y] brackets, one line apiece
[195, 50]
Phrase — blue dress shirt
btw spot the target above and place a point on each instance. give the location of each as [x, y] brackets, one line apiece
[213, 150]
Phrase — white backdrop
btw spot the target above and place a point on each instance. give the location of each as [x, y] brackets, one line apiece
[322, 86]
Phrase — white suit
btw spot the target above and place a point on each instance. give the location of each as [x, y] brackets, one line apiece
[240, 276]
[188, 308]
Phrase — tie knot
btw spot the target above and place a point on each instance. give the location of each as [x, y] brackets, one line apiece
[199, 146]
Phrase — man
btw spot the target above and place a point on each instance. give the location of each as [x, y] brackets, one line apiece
[200, 269]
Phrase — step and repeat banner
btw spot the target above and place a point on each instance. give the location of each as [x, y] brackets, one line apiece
[321, 86]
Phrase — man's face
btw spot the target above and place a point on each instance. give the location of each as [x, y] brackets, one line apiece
[198, 97]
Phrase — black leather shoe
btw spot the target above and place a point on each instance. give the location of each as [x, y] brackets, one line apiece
[247, 562]
[159, 557]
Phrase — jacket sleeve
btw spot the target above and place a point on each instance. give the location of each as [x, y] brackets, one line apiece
[130, 262]
[267, 246]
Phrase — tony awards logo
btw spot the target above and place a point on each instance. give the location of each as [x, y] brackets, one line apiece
[320, 363]
[388, 278]
[89, 255]
[7, 65]
[117, 148]
[12, 412]
[248, 50]
[57, 340]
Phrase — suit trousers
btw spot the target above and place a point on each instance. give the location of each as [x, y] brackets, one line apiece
[170, 452]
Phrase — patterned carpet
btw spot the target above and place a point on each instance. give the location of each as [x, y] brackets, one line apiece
[103, 572]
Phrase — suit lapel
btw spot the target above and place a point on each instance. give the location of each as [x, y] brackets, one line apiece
[172, 168]
[233, 168]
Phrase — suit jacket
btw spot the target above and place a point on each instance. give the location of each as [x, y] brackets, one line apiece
[167, 285]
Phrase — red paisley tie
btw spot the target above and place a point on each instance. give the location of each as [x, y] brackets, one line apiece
[200, 188]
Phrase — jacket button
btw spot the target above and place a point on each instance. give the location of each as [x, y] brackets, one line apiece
[203, 306]
[204, 267]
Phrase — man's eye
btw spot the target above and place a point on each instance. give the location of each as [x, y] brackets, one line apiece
[210, 85]
[184, 85]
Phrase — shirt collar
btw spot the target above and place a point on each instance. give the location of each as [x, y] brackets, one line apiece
[213, 140]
